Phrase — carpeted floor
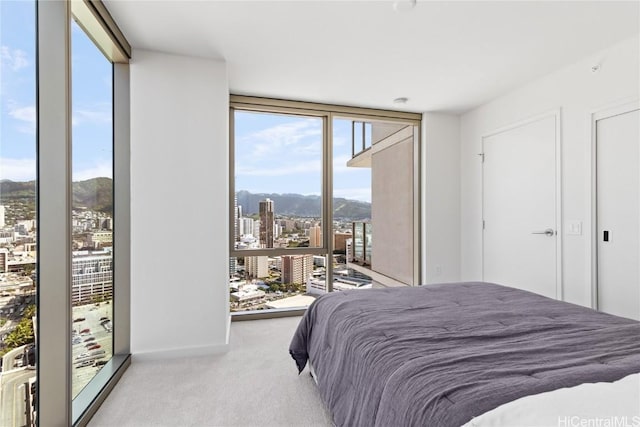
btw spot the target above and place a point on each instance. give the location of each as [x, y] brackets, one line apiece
[254, 384]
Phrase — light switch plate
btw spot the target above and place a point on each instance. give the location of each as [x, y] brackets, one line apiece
[574, 228]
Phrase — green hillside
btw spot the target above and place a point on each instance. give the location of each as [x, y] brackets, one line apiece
[94, 194]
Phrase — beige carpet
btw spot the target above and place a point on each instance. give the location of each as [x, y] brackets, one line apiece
[254, 384]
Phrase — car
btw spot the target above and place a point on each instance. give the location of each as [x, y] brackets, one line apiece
[81, 355]
[100, 362]
[79, 319]
[85, 331]
[90, 339]
[94, 347]
[103, 318]
[84, 363]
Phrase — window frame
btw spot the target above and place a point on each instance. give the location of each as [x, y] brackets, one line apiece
[328, 112]
[54, 198]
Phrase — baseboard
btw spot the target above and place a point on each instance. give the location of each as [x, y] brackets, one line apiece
[175, 353]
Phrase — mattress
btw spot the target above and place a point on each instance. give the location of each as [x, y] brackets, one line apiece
[443, 355]
[590, 404]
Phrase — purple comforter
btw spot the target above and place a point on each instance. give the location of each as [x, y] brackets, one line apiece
[440, 355]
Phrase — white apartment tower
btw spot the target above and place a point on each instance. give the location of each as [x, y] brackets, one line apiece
[247, 227]
[257, 266]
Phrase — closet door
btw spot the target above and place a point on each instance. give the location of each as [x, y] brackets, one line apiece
[618, 213]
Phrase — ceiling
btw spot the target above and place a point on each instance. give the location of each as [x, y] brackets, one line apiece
[444, 56]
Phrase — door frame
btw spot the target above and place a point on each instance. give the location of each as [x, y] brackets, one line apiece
[616, 109]
[556, 114]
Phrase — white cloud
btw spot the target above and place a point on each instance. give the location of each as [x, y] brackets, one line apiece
[17, 169]
[26, 115]
[100, 115]
[362, 194]
[283, 138]
[339, 141]
[282, 170]
[100, 170]
[15, 59]
[340, 164]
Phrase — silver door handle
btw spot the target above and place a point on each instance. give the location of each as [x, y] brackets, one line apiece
[547, 232]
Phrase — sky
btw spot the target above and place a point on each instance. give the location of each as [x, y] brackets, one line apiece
[274, 154]
[283, 154]
[91, 99]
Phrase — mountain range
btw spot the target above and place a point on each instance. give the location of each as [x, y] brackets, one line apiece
[304, 206]
[94, 194]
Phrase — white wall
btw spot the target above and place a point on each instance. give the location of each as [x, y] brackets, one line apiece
[441, 197]
[578, 92]
[179, 204]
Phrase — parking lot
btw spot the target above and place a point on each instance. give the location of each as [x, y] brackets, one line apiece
[92, 342]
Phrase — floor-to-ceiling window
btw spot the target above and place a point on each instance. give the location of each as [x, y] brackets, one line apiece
[301, 190]
[64, 185]
[98, 218]
[278, 209]
[92, 208]
[352, 203]
[18, 219]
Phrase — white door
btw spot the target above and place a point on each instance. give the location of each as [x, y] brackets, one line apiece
[519, 207]
[618, 214]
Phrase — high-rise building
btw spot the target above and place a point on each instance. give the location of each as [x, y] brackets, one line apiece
[91, 278]
[266, 223]
[340, 241]
[296, 269]
[257, 266]
[246, 226]
[236, 217]
[233, 265]
[1, 216]
[288, 224]
[315, 237]
[256, 228]
[4, 260]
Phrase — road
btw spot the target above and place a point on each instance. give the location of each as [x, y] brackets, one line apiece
[12, 394]
[9, 359]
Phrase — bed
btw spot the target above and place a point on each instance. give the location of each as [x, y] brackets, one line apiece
[459, 354]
